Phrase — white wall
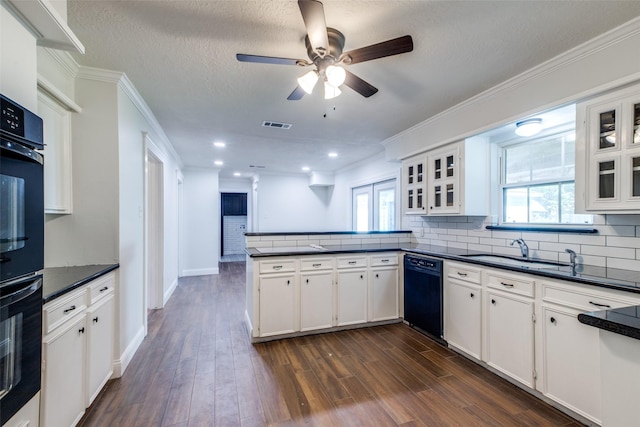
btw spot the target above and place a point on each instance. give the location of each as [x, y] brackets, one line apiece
[90, 234]
[287, 203]
[18, 70]
[201, 222]
[367, 171]
[581, 72]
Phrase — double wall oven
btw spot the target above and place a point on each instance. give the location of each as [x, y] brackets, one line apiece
[21, 256]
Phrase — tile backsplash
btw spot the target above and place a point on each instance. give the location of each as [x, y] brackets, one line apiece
[327, 239]
[616, 245]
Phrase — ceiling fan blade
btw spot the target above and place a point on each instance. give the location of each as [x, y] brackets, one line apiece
[297, 94]
[267, 59]
[380, 50]
[313, 16]
[359, 85]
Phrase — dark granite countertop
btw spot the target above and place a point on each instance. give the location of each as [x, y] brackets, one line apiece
[325, 233]
[61, 280]
[610, 278]
[623, 321]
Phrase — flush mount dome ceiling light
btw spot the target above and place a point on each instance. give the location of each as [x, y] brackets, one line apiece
[529, 127]
[324, 49]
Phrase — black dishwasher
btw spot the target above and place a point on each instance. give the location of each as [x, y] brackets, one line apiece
[423, 294]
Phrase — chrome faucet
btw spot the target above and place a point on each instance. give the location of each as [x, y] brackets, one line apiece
[572, 259]
[523, 247]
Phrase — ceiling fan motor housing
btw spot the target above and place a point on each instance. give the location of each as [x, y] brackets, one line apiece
[336, 44]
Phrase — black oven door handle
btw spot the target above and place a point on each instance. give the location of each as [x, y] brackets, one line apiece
[22, 151]
[21, 293]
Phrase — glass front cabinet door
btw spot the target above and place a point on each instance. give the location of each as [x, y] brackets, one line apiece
[414, 185]
[611, 152]
[443, 182]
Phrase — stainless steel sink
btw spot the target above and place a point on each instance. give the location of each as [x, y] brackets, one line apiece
[504, 260]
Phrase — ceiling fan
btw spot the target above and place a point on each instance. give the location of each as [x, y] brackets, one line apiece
[324, 48]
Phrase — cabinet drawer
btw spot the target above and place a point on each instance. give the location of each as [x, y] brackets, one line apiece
[576, 298]
[510, 283]
[352, 262]
[277, 266]
[57, 312]
[463, 272]
[101, 287]
[316, 264]
[385, 259]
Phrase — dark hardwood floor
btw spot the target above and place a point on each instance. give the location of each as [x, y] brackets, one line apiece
[197, 367]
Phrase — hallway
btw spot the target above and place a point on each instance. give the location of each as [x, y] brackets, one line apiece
[197, 367]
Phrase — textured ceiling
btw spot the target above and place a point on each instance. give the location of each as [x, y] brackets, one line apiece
[180, 55]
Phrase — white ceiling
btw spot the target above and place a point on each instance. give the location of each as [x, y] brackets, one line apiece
[180, 55]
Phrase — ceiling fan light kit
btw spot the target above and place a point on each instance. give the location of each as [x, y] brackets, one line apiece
[324, 49]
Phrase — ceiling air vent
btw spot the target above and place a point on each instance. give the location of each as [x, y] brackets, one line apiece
[277, 125]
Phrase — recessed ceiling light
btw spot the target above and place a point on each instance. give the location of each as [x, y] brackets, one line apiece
[333, 154]
[218, 163]
[219, 144]
[306, 168]
[236, 174]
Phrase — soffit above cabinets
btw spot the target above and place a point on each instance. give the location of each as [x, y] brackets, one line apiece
[45, 22]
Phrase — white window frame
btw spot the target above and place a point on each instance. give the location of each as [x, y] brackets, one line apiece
[372, 190]
[502, 186]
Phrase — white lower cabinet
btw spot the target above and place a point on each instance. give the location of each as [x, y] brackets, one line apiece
[316, 300]
[571, 361]
[509, 335]
[99, 346]
[463, 316]
[384, 294]
[77, 351]
[352, 297]
[278, 307]
[63, 375]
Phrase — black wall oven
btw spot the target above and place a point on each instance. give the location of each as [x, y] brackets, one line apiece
[21, 256]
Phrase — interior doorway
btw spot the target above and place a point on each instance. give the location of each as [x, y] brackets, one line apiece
[233, 225]
[154, 231]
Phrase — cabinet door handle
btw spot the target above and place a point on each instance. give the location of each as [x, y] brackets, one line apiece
[508, 285]
[462, 274]
[352, 262]
[95, 319]
[384, 260]
[472, 295]
[553, 320]
[599, 305]
[106, 288]
[307, 280]
[317, 265]
[377, 277]
[277, 267]
[493, 302]
[81, 330]
[361, 277]
[288, 282]
[73, 307]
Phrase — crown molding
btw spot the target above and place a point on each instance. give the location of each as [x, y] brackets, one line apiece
[64, 59]
[576, 54]
[122, 81]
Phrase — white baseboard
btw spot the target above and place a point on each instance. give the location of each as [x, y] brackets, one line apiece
[248, 324]
[169, 292]
[121, 364]
[200, 272]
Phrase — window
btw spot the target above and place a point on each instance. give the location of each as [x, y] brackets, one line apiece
[537, 181]
[374, 206]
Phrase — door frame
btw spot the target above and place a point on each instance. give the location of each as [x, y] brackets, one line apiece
[153, 292]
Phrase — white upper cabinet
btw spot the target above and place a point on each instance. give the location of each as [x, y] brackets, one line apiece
[57, 154]
[414, 185]
[608, 153]
[435, 182]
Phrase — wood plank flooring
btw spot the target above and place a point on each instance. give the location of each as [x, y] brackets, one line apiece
[197, 367]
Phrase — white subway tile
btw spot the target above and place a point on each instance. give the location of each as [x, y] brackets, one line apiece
[389, 240]
[307, 242]
[478, 247]
[492, 242]
[282, 243]
[637, 253]
[558, 247]
[624, 264]
[457, 232]
[375, 240]
[327, 242]
[623, 242]
[261, 244]
[479, 233]
[350, 241]
[609, 251]
[448, 238]
[623, 219]
[544, 255]
[508, 235]
[457, 245]
[296, 237]
[468, 239]
[617, 230]
[271, 238]
[582, 239]
[437, 242]
[599, 219]
[597, 261]
[502, 250]
[541, 237]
